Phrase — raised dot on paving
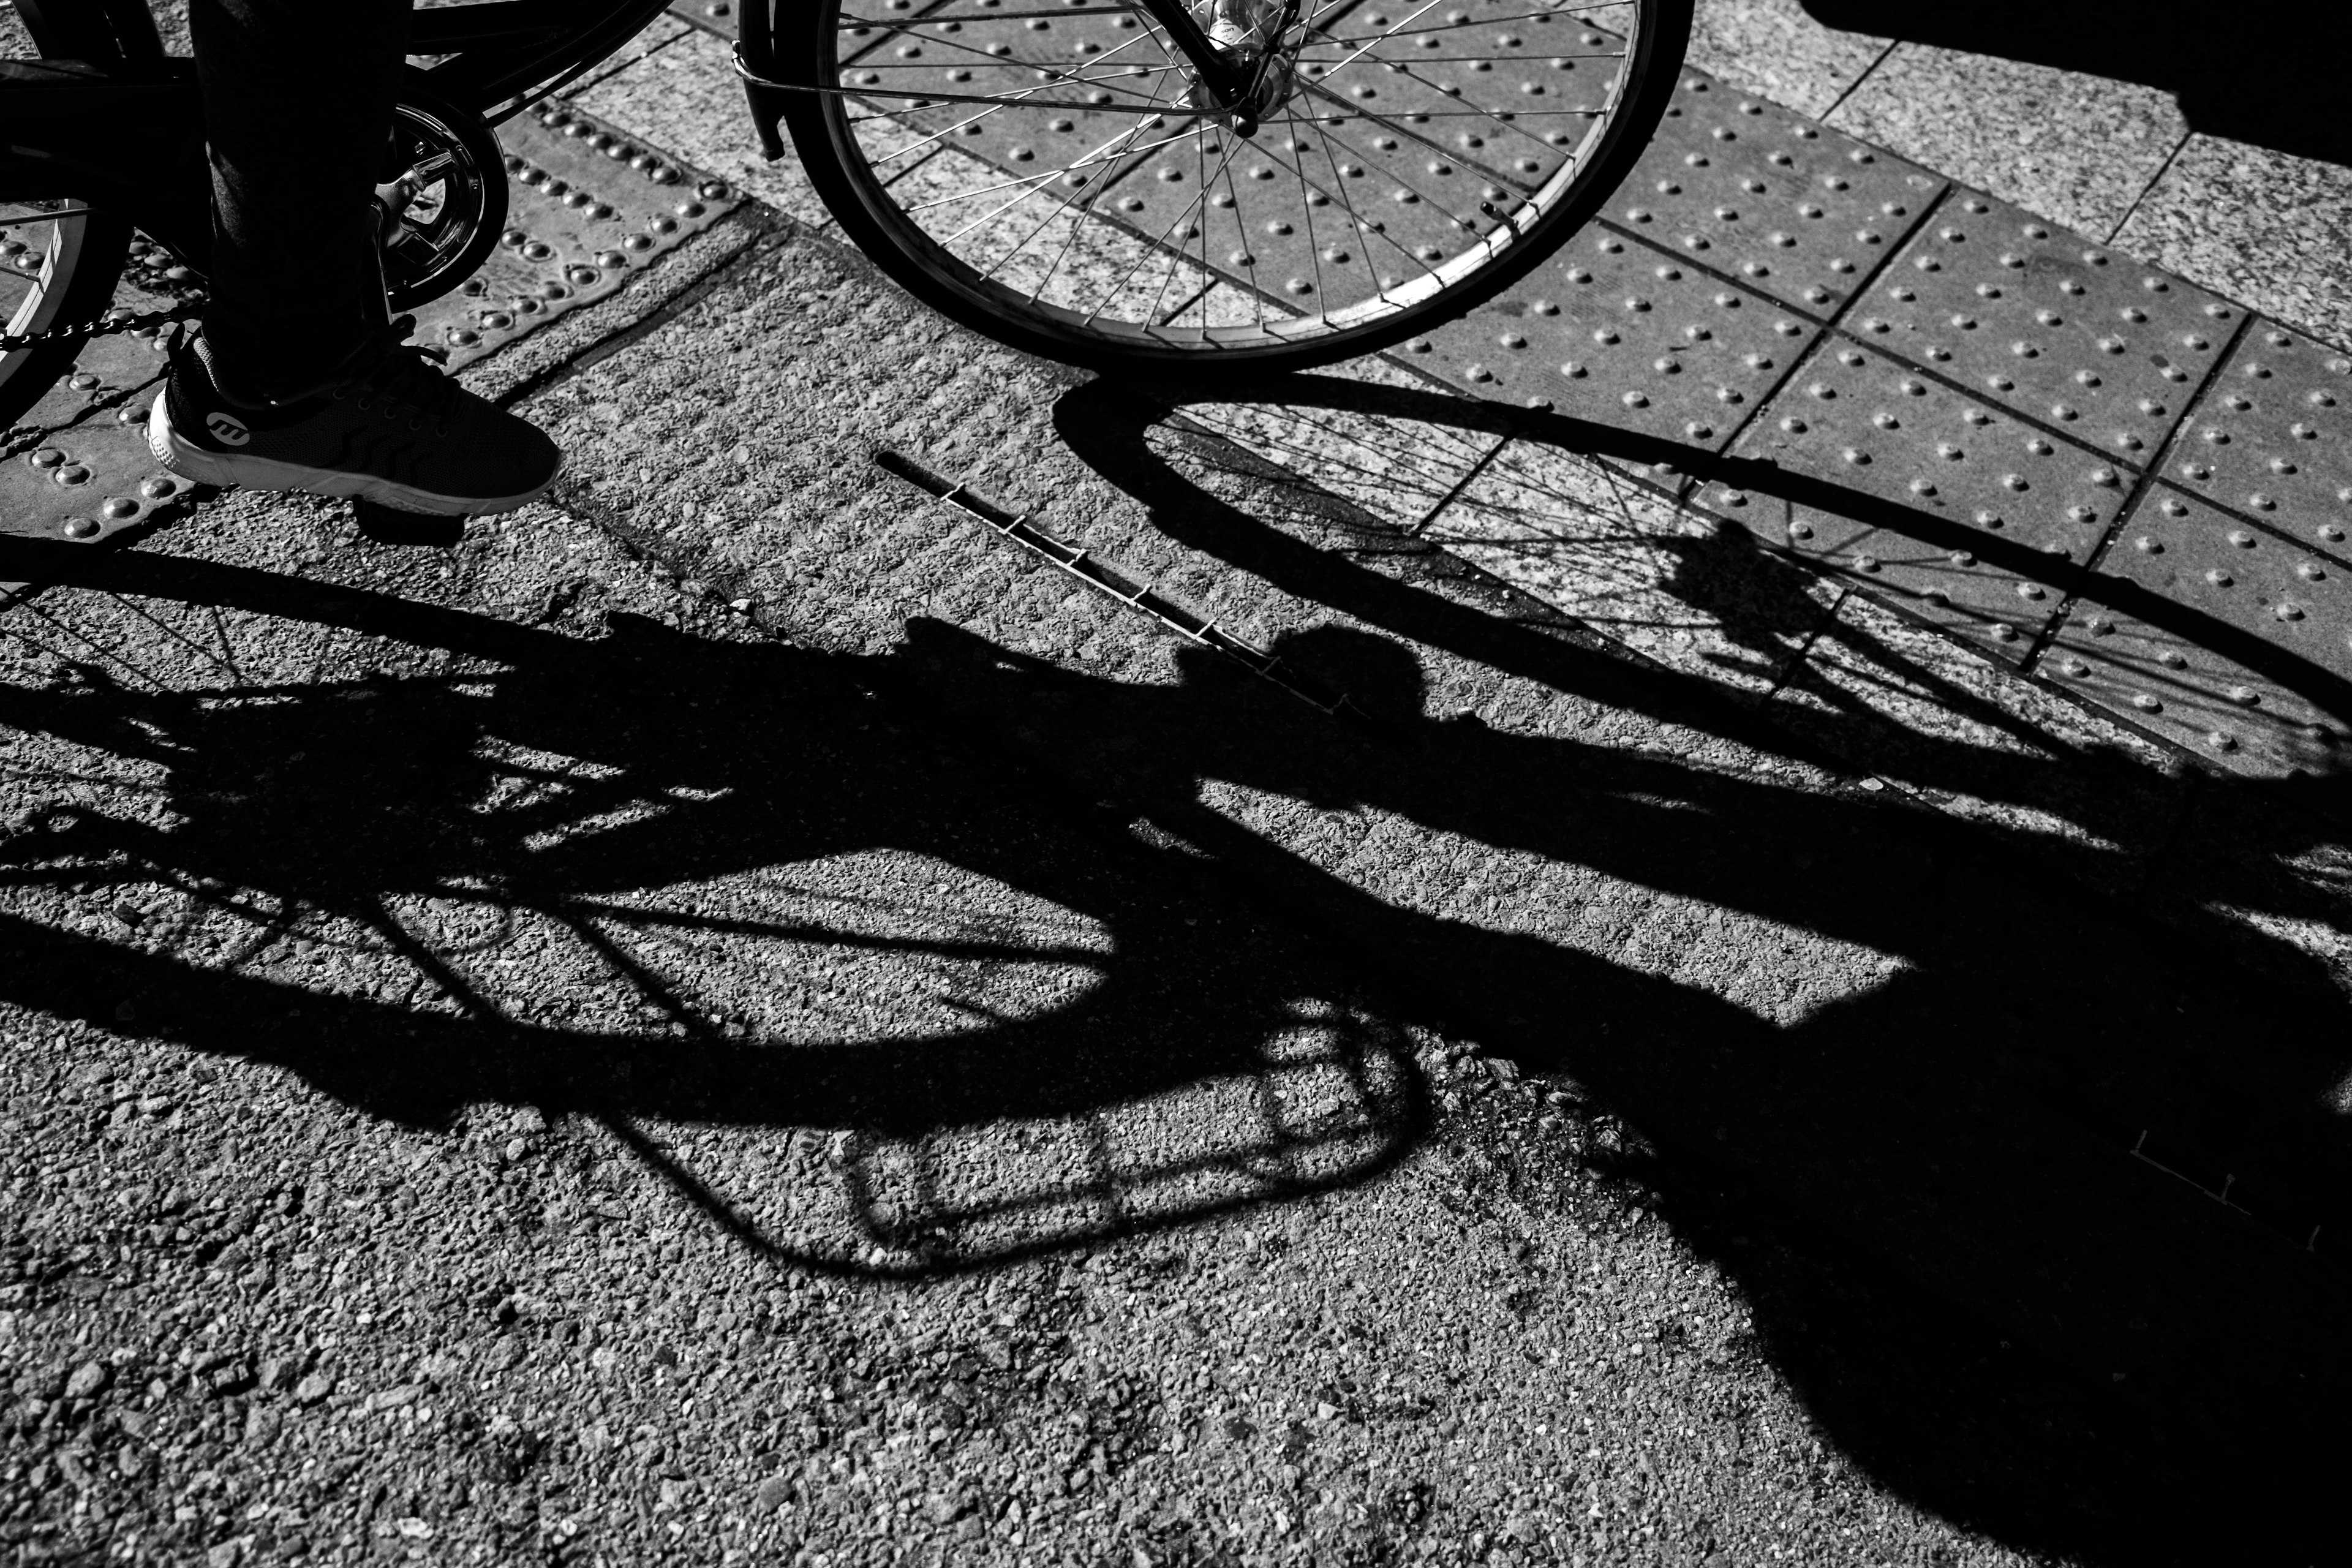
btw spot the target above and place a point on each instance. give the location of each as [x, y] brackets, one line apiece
[2049, 324]
[1787, 206]
[1982, 494]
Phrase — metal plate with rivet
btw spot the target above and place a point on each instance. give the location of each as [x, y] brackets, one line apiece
[2271, 437]
[2044, 322]
[1790, 208]
[1882, 427]
[104, 370]
[2166, 679]
[1614, 331]
[588, 206]
[86, 483]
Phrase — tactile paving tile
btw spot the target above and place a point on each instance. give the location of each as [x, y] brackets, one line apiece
[1794, 208]
[587, 203]
[1095, 54]
[1524, 84]
[86, 483]
[2166, 680]
[1886, 430]
[1305, 212]
[1612, 330]
[2049, 324]
[2271, 437]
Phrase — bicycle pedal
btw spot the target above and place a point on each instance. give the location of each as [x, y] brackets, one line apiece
[383, 524]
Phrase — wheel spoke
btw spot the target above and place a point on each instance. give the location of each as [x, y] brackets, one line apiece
[1176, 229]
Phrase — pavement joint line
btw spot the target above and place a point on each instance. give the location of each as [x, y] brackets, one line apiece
[2148, 478]
[2154, 179]
[1860, 77]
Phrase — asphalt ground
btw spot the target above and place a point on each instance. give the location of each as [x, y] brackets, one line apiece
[739, 1014]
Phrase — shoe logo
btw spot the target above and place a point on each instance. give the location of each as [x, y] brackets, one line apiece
[227, 429]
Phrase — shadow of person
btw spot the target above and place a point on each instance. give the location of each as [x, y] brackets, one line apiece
[1131, 953]
[2248, 84]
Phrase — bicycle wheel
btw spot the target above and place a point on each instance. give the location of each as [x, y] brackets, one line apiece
[59, 261]
[1063, 196]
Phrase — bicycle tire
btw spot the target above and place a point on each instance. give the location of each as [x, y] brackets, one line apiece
[81, 263]
[1252, 318]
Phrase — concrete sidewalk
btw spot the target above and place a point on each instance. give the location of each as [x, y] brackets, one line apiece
[742, 1015]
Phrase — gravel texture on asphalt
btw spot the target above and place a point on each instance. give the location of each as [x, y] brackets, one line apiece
[735, 1016]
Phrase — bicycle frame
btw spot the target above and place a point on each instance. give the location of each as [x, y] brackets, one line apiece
[107, 113]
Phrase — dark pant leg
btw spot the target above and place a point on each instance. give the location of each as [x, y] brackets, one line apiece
[297, 115]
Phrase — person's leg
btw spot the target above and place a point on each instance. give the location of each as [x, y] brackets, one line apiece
[296, 382]
[297, 115]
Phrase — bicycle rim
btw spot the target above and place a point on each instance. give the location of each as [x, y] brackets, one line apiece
[1408, 160]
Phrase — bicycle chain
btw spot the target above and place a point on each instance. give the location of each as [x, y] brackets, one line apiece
[113, 326]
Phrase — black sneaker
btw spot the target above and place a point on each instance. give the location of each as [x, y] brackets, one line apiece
[394, 429]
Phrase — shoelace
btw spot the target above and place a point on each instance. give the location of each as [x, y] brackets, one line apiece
[403, 380]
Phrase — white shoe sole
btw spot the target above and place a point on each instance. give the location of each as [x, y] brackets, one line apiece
[191, 462]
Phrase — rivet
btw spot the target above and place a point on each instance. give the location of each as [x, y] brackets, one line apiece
[1963, 558]
[2219, 578]
[2241, 538]
[538, 250]
[81, 528]
[2004, 632]
[46, 458]
[118, 507]
[1635, 400]
[1865, 562]
[2260, 502]
[2150, 545]
[2289, 612]
[2147, 704]
[158, 488]
[73, 474]
[1801, 531]
[2311, 572]
[2075, 668]
[2031, 591]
